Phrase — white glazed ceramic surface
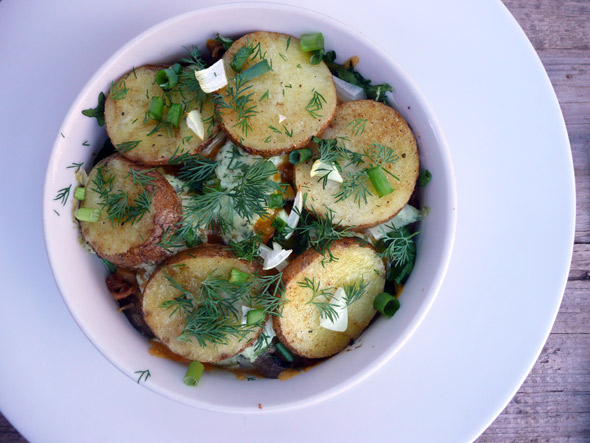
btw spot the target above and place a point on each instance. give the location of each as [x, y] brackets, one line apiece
[80, 276]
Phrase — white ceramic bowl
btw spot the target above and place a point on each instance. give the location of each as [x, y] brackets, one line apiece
[80, 275]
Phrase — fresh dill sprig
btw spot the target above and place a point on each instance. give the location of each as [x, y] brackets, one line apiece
[171, 240]
[212, 314]
[268, 293]
[118, 90]
[320, 298]
[194, 58]
[143, 374]
[75, 165]
[248, 248]
[316, 103]
[353, 293]
[238, 100]
[195, 169]
[252, 187]
[141, 177]
[120, 211]
[354, 184]
[126, 147]
[320, 233]
[400, 247]
[63, 195]
[358, 126]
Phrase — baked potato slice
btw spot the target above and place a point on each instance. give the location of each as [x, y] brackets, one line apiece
[290, 103]
[133, 216]
[299, 326]
[132, 132]
[189, 270]
[359, 126]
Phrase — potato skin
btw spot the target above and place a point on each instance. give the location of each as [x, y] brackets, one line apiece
[190, 268]
[289, 87]
[124, 121]
[131, 245]
[384, 125]
[299, 327]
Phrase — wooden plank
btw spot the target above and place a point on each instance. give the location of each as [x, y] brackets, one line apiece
[554, 402]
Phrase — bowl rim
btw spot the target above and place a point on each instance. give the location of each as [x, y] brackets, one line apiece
[448, 235]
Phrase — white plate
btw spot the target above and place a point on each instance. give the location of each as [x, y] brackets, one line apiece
[503, 288]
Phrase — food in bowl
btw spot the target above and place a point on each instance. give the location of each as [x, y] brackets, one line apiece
[255, 205]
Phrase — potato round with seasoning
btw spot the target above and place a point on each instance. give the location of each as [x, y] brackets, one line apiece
[285, 106]
[188, 271]
[364, 126]
[143, 139]
[299, 326]
[137, 206]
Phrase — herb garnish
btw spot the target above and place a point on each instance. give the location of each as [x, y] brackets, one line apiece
[350, 75]
[63, 195]
[212, 313]
[143, 374]
[400, 251]
[118, 90]
[320, 298]
[316, 103]
[97, 112]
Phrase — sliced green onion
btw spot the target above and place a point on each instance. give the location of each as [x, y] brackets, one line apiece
[316, 57]
[168, 78]
[87, 215]
[226, 42]
[299, 156]
[279, 224]
[311, 42]
[255, 316]
[238, 277]
[156, 108]
[379, 179]
[254, 71]
[386, 304]
[193, 373]
[425, 177]
[211, 185]
[285, 352]
[240, 57]
[275, 201]
[80, 193]
[174, 114]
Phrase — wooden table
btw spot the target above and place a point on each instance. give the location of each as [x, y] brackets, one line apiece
[553, 404]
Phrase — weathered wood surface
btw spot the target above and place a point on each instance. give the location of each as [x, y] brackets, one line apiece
[554, 402]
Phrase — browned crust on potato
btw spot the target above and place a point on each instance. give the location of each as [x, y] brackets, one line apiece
[204, 251]
[328, 111]
[291, 275]
[167, 212]
[114, 108]
[385, 125]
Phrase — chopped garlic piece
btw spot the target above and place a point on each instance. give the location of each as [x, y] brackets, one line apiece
[282, 118]
[275, 257]
[407, 215]
[320, 168]
[340, 323]
[195, 123]
[213, 78]
[293, 219]
[347, 92]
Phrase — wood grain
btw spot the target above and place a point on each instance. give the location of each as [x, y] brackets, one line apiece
[553, 404]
